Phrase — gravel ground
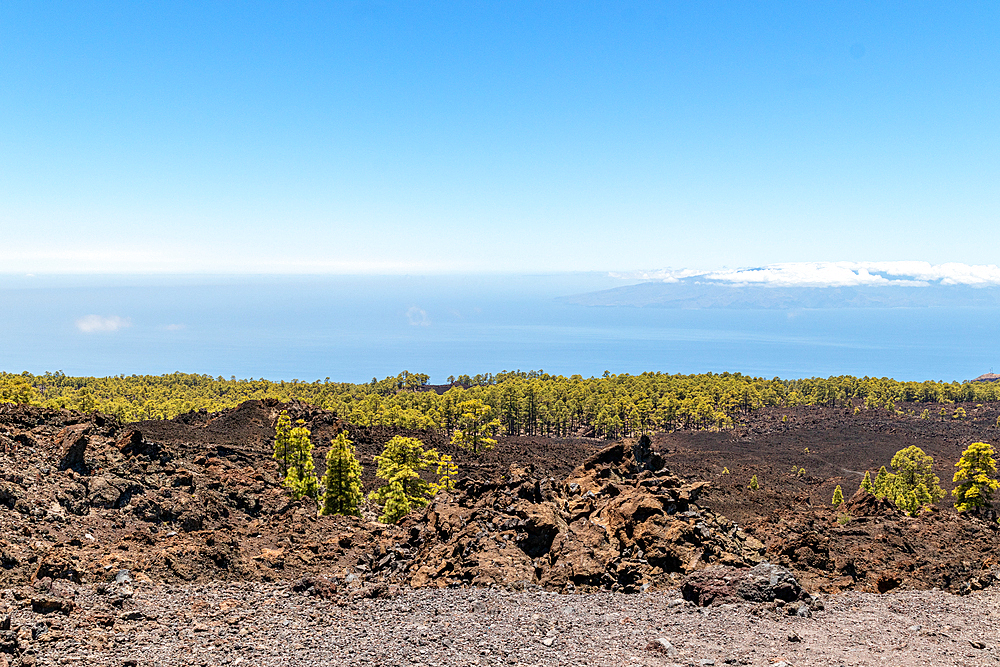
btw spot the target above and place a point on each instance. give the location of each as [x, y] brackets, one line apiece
[268, 624]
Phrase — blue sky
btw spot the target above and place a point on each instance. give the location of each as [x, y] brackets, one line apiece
[509, 136]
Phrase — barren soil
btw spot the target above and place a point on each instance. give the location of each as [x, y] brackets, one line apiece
[267, 624]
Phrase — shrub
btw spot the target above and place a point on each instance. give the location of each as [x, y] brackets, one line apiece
[926, 414]
[843, 519]
[342, 480]
[975, 476]
[838, 496]
[959, 413]
[725, 471]
[754, 485]
[399, 465]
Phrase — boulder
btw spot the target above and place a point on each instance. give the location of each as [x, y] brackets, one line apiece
[766, 582]
[762, 583]
[72, 442]
[316, 586]
[863, 503]
[714, 585]
[58, 565]
[110, 492]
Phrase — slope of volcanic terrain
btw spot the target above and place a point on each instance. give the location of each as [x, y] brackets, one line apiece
[95, 514]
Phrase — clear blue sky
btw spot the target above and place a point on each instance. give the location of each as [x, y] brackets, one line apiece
[501, 136]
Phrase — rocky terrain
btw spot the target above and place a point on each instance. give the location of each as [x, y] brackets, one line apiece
[163, 540]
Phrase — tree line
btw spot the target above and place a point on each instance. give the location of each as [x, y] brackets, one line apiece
[507, 403]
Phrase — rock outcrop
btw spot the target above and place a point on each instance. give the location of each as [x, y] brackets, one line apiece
[620, 521]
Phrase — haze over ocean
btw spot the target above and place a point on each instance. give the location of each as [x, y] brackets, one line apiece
[353, 328]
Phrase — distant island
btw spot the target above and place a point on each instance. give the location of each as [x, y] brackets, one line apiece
[697, 293]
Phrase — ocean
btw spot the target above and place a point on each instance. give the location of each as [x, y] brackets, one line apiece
[354, 328]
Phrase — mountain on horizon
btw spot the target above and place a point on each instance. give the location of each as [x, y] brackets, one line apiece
[700, 294]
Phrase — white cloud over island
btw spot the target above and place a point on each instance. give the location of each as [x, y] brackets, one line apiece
[837, 274]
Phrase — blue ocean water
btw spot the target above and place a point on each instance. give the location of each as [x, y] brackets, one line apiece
[353, 328]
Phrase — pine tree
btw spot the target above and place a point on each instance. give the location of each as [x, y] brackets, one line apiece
[342, 480]
[913, 500]
[754, 485]
[866, 483]
[399, 465]
[397, 503]
[975, 476]
[475, 426]
[912, 468]
[880, 487]
[838, 496]
[301, 477]
[447, 471]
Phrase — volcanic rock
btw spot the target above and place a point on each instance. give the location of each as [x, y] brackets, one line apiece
[762, 583]
[620, 521]
[72, 442]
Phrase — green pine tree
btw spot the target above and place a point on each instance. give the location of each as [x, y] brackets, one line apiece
[913, 500]
[866, 483]
[399, 465]
[975, 477]
[838, 496]
[754, 484]
[301, 477]
[447, 471]
[474, 426]
[880, 487]
[912, 468]
[342, 492]
[397, 503]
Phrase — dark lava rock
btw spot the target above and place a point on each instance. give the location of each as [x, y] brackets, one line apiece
[767, 582]
[316, 586]
[762, 583]
[863, 503]
[73, 441]
[47, 605]
[620, 521]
